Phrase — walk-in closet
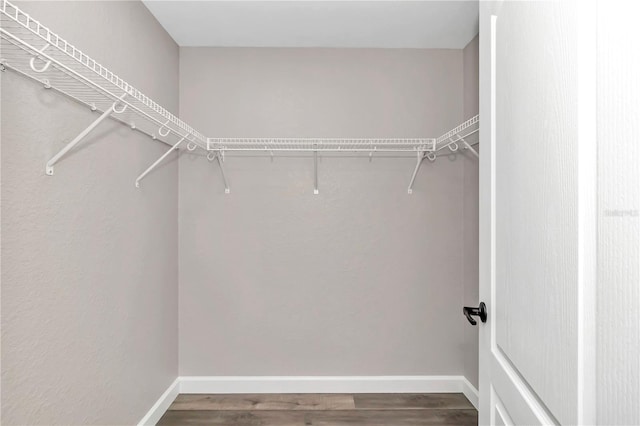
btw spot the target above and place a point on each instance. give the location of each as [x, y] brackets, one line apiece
[278, 212]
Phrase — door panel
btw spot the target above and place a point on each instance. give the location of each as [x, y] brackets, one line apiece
[519, 402]
[537, 198]
[536, 205]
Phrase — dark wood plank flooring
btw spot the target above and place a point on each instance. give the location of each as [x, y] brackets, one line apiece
[321, 410]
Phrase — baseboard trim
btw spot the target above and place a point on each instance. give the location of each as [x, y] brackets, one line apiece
[321, 384]
[309, 384]
[162, 404]
[470, 392]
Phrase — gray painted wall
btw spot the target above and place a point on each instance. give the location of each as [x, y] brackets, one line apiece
[361, 279]
[89, 269]
[471, 220]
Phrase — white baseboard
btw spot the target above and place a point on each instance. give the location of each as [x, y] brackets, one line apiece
[162, 404]
[309, 384]
[470, 392]
[321, 384]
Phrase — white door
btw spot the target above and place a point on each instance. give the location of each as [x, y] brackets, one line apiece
[537, 212]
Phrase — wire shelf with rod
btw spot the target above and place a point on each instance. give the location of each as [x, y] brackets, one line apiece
[452, 140]
[33, 50]
[458, 137]
[322, 144]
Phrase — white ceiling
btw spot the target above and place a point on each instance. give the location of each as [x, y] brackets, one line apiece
[308, 23]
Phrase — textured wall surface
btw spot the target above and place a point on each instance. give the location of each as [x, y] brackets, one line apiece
[361, 279]
[470, 209]
[89, 269]
[618, 359]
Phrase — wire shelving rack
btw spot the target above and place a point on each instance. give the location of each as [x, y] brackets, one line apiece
[322, 144]
[34, 51]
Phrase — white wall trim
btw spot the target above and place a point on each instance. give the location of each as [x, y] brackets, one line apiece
[162, 404]
[309, 384]
[470, 392]
[321, 384]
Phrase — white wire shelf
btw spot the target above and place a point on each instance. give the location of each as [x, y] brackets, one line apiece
[33, 50]
[471, 125]
[321, 145]
[451, 139]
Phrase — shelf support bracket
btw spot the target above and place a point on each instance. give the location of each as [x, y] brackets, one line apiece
[420, 157]
[315, 173]
[217, 156]
[159, 160]
[227, 190]
[469, 147]
[82, 135]
[74, 142]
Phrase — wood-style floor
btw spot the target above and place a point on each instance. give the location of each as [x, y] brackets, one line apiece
[321, 410]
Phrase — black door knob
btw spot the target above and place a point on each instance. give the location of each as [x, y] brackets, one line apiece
[480, 311]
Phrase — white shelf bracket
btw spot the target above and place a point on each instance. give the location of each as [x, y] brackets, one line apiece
[159, 160]
[315, 173]
[218, 156]
[82, 135]
[469, 147]
[224, 177]
[420, 157]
